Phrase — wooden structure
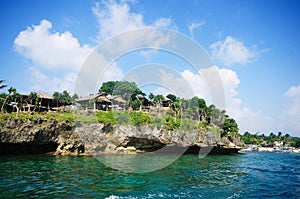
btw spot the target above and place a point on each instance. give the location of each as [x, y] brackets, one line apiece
[45, 102]
[94, 102]
[145, 102]
[117, 102]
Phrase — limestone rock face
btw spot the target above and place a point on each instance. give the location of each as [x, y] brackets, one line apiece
[66, 138]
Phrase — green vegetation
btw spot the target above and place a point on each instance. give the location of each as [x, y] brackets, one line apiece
[2, 85]
[59, 116]
[264, 140]
[178, 113]
[183, 114]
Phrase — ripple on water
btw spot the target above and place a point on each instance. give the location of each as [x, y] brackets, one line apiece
[253, 175]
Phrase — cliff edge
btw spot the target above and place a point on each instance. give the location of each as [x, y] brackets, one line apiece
[65, 138]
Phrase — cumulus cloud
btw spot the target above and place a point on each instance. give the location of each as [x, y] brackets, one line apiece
[248, 119]
[231, 51]
[162, 22]
[51, 50]
[291, 111]
[114, 18]
[56, 57]
[194, 26]
[42, 82]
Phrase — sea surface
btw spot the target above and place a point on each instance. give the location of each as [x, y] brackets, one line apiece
[249, 175]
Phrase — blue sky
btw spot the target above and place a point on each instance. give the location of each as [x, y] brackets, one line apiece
[254, 44]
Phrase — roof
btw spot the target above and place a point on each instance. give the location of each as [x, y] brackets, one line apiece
[103, 99]
[118, 99]
[100, 98]
[45, 95]
[89, 97]
[42, 95]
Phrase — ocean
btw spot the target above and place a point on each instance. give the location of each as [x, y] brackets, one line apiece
[247, 175]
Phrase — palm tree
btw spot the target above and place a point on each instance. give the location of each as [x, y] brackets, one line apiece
[33, 97]
[11, 92]
[57, 97]
[287, 138]
[63, 98]
[2, 86]
[66, 99]
[279, 134]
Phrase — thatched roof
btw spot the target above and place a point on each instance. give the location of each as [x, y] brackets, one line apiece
[103, 99]
[99, 98]
[45, 95]
[87, 98]
[118, 99]
[42, 95]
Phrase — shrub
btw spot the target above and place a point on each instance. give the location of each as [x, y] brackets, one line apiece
[139, 118]
[156, 122]
[171, 123]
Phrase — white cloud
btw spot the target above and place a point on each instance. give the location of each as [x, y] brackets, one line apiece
[51, 50]
[194, 26]
[231, 51]
[291, 112]
[55, 57]
[248, 119]
[42, 82]
[162, 22]
[197, 84]
[115, 18]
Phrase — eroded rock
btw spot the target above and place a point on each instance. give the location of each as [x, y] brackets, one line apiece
[94, 139]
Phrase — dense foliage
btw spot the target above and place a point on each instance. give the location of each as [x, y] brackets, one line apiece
[264, 140]
[185, 114]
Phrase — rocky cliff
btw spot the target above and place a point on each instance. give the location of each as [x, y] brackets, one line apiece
[65, 138]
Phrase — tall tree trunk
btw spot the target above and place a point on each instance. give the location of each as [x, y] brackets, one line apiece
[40, 104]
[4, 103]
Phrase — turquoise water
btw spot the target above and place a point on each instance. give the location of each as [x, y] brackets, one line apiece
[251, 175]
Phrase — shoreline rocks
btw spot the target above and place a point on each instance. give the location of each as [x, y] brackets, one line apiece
[65, 138]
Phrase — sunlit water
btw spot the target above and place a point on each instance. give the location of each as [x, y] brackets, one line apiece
[251, 175]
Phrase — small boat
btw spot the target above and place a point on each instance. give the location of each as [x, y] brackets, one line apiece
[296, 150]
[286, 149]
[276, 149]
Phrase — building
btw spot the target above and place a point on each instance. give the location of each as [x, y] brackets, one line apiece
[43, 102]
[94, 102]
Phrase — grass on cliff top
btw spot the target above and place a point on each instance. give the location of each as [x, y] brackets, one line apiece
[114, 117]
[59, 116]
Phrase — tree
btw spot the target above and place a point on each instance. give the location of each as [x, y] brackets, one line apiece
[201, 103]
[247, 134]
[287, 138]
[136, 104]
[11, 93]
[279, 135]
[172, 97]
[108, 87]
[57, 97]
[151, 96]
[230, 128]
[63, 98]
[75, 97]
[33, 97]
[295, 142]
[158, 99]
[2, 86]
[126, 89]
[66, 99]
